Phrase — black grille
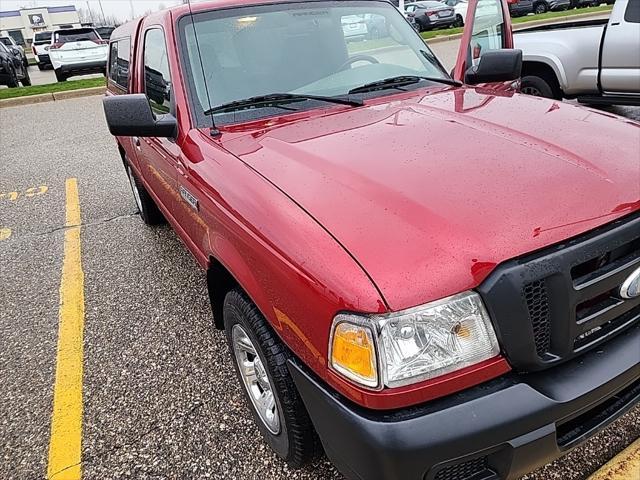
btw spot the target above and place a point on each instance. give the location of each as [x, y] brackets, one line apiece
[475, 469]
[535, 294]
[555, 304]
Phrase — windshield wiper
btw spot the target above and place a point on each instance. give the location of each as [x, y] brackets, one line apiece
[278, 99]
[401, 81]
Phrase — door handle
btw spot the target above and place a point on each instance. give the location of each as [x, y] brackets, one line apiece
[136, 142]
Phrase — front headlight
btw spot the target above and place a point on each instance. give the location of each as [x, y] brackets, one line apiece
[406, 347]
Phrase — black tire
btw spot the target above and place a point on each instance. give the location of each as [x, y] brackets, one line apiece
[149, 211]
[13, 78]
[26, 81]
[459, 21]
[538, 87]
[540, 7]
[296, 442]
[60, 77]
[41, 67]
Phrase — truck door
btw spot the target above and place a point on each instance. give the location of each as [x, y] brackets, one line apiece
[158, 157]
[487, 27]
[620, 60]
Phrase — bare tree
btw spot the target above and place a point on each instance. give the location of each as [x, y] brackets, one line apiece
[89, 15]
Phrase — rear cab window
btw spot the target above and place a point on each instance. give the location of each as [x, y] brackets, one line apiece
[6, 41]
[119, 61]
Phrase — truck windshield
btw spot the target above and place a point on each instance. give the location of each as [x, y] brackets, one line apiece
[328, 49]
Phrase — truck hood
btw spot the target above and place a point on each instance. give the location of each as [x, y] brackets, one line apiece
[430, 191]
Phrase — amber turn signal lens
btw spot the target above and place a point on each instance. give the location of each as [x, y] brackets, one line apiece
[353, 353]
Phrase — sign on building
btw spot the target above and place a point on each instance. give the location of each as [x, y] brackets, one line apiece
[36, 20]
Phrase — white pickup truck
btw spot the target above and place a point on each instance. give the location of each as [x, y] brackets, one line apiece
[595, 61]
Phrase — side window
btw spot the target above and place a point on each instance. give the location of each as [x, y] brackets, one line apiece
[113, 61]
[124, 52]
[119, 62]
[157, 80]
[632, 13]
[488, 28]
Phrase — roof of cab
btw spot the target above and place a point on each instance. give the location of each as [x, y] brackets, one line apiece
[129, 28]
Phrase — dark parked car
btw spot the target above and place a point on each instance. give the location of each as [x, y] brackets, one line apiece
[431, 14]
[12, 46]
[12, 69]
[542, 6]
[521, 8]
[105, 32]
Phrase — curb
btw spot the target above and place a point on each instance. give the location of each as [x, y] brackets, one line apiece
[624, 466]
[524, 25]
[52, 97]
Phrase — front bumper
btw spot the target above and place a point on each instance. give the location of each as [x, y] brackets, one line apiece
[502, 429]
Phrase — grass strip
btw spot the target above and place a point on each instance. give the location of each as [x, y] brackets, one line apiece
[51, 88]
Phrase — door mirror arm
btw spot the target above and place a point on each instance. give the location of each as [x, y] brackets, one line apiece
[131, 116]
[495, 66]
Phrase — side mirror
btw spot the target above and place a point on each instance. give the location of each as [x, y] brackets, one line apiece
[496, 66]
[16, 52]
[131, 116]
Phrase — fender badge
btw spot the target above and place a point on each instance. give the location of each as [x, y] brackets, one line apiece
[630, 288]
[189, 198]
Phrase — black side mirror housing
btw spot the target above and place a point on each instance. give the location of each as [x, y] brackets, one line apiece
[496, 66]
[16, 52]
[131, 116]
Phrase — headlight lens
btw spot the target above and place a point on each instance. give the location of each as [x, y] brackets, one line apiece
[420, 343]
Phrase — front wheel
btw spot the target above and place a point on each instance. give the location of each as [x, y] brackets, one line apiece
[459, 21]
[26, 81]
[149, 211]
[537, 87]
[260, 361]
[540, 8]
[13, 78]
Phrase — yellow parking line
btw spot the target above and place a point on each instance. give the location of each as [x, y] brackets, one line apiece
[66, 419]
[624, 466]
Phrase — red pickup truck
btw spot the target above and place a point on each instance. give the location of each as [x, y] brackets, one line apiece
[435, 276]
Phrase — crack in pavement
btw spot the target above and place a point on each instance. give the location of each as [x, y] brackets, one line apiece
[81, 225]
[135, 440]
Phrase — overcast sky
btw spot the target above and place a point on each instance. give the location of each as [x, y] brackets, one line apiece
[119, 8]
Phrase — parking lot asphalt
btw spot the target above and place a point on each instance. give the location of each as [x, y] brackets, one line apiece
[160, 398]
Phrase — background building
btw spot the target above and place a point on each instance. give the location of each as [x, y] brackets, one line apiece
[21, 24]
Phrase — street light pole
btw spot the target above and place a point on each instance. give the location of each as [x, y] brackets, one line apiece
[90, 13]
[104, 19]
[133, 13]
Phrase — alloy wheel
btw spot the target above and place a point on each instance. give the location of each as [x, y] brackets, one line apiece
[255, 379]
